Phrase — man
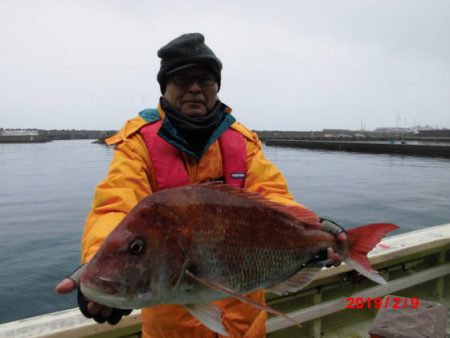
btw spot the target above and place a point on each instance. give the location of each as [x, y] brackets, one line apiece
[191, 137]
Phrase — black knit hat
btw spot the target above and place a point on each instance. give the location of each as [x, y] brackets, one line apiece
[186, 51]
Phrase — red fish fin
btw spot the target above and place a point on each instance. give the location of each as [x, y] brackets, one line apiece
[297, 281]
[242, 298]
[362, 240]
[304, 215]
[209, 315]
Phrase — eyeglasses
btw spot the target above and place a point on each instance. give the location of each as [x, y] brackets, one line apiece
[185, 80]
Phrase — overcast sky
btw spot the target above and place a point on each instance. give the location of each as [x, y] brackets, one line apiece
[288, 65]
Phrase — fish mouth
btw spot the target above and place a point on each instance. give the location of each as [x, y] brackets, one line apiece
[105, 284]
[103, 297]
[107, 280]
[114, 300]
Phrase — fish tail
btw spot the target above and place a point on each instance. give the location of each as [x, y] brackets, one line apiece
[361, 240]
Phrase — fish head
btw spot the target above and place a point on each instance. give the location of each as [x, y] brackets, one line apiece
[137, 264]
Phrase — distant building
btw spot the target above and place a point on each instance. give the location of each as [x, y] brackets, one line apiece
[395, 130]
[435, 133]
[21, 136]
[19, 132]
[337, 131]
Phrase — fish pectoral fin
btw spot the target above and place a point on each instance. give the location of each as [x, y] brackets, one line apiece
[209, 315]
[299, 280]
[242, 298]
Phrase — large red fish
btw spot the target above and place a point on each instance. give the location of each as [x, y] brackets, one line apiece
[193, 245]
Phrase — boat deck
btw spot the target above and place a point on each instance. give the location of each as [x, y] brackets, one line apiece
[415, 264]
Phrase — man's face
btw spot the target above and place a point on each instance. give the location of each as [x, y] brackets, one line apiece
[192, 91]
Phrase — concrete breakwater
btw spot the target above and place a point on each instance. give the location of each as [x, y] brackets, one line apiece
[24, 139]
[435, 136]
[366, 147]
[39, 135]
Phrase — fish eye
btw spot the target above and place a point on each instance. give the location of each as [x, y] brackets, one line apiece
[136, 246]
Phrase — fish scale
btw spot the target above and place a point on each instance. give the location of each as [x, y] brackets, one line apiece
[245, 269]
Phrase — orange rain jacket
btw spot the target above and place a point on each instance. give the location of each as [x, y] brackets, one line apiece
[128, 181]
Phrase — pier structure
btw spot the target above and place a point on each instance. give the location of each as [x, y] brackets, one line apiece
[399, 148]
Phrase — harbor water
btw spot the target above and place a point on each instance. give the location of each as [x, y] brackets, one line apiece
[46, 190]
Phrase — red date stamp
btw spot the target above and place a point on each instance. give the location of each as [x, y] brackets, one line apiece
[386, 302]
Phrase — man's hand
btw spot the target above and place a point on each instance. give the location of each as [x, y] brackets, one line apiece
[335, 259]
[65, 286]
[88, 308]
[341, 236]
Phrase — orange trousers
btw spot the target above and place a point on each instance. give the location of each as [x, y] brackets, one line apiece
[174, 321]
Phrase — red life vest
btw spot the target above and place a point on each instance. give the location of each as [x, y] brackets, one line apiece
[169, 166]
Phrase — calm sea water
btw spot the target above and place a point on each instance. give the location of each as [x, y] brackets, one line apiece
[46, 191]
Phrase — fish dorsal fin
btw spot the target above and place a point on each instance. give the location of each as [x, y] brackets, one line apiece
[302, 214]
[242, 298]
[299, 280]
[209, 315]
